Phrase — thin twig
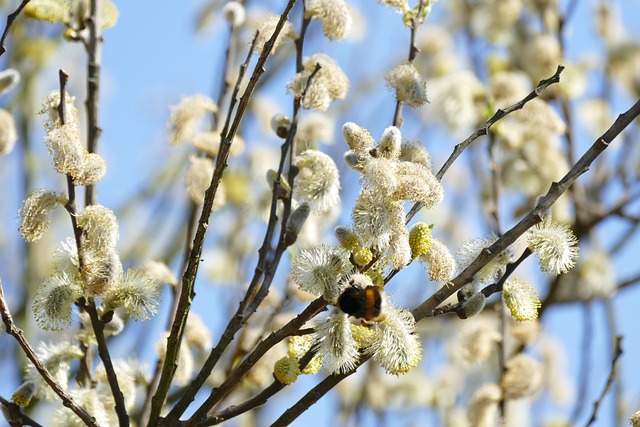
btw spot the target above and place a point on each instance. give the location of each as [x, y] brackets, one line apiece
[11, 329]
[617, 352]
[612, 334]
[16, 417]
[312, 397]
[216, 352]
[94, 60]
[629, 282]
[251, 403]
[585, 360]
[84, 373]
[254, 401]
[534, 217]
[103, 351]
[10, 19]
[488, 290]
[501, 113]
[265, 345]
[187, 291]
[192, 218]
[413, 52]
[96, 323]
[254, 297]
[427, 307]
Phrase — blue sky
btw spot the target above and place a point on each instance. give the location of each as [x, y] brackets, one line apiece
[153, 56]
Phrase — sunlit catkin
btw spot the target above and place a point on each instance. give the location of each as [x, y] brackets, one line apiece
[408, 85]
[34, 214]
[335, 16]
[318, 182]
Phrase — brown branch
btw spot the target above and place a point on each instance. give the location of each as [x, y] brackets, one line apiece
[413, 52]
[94, 60]
[617, 352]
[254, 295]
[254, 401]
[489, 289]
[187, 291]
[191, 223]
[10, 18]
[103, 351]
[265, 345]
[96, 323]
[427, 308]
[16, 417]
[500, 114]
[534, 217]
[312, 397]
[12, 330]
[216, 352]
[84, 373]
[249, 404]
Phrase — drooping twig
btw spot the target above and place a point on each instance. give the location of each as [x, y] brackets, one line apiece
[617, 352]
[21, 419]
[10, 19]
[501, 113]
[12, 330]
[187, 290]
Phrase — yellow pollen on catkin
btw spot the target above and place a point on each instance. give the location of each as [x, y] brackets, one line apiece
[420, 239]
[362, 256]
[286, 370]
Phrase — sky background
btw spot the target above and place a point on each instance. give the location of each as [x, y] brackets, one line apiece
[154, 56]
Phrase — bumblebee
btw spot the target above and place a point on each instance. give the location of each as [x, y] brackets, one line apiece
[364, 303]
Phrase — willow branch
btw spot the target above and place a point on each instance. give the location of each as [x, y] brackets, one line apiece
[498, 115]
[257, 400]
[612, 375]
[534, 217]
[16, 417]
[10, 18]
[312, 397]
[84, 373]
[249, 404]
[254, 295]
[187, 290]
[103, 351]
[413, 52]
[216, 352]
[261, 349]
[94, 51]
[12, 330]
[192, 218]
[96, 323]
